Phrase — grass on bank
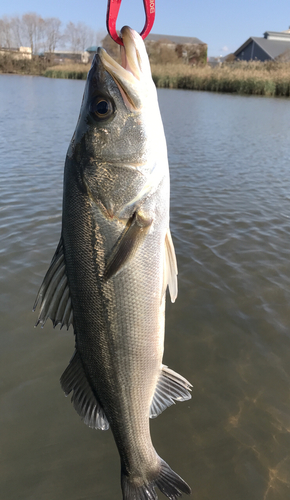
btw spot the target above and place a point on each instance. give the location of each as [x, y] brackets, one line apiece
[71, 71]
[34, 66]
[269, 78]
[254, 77]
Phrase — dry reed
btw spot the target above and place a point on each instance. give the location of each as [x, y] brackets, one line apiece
[254, 77]
[34, 66]
[269, 78]
[71, 71]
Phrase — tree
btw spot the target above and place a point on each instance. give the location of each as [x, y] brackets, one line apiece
[79, 36]
[52, 33]
[111, 47]
[33, 30]
[6, 35]
[99, 36]
[17, 30]
[162, 51]
[230, 58]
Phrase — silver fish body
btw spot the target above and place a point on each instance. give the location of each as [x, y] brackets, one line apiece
[114, 261]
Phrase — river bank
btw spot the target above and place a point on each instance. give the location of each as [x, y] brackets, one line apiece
[255, 78]
[34, 66]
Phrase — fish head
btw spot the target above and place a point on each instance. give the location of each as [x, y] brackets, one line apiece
[120, 118]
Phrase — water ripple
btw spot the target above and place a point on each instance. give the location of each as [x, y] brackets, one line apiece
[228, 332]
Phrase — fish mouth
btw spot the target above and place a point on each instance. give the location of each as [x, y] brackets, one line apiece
[133, 73]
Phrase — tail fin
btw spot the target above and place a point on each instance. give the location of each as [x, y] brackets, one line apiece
[170, 483]
[133, 492]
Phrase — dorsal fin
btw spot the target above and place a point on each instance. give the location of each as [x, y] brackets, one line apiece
[84, 401]
[54, 295]
[170, 387]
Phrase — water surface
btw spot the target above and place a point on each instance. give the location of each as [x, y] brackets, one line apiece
[228, 331]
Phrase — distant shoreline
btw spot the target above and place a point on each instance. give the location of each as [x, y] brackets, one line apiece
[251, 78]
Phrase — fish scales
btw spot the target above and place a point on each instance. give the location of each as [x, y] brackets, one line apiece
[117, 255]
[120, 360]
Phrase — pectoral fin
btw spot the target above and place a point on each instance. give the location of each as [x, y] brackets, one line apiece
[129, 242]
[54, 293]
[170, 268]
[170, 387]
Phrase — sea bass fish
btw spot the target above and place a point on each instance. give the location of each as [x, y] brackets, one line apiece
[114, 261]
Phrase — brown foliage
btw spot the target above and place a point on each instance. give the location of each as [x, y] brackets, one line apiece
[112, 48]
[161, 52]
[285, 57]
[254, 77]
[192, 54]
[166, 52]
[230, 58]
[35, 66]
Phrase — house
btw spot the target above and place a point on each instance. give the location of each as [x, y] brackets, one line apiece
[273, 45]
[163, 49]
[108, 44]
[215, 61]
[67, 56]
[190, 50]
[20, 53]
[92, 50]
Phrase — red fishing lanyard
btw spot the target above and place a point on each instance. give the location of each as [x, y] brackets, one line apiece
[112, 14]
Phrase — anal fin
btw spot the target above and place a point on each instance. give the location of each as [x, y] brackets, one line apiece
[84, 401]
[170, 387]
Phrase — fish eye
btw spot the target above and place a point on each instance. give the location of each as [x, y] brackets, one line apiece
[101, 108]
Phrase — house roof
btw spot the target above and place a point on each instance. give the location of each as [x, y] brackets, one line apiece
[273, 48]
[93, 48]
[277, 35]
[67, 52]
[174, 39]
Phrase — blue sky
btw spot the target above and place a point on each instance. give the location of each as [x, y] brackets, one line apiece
[223, 25]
